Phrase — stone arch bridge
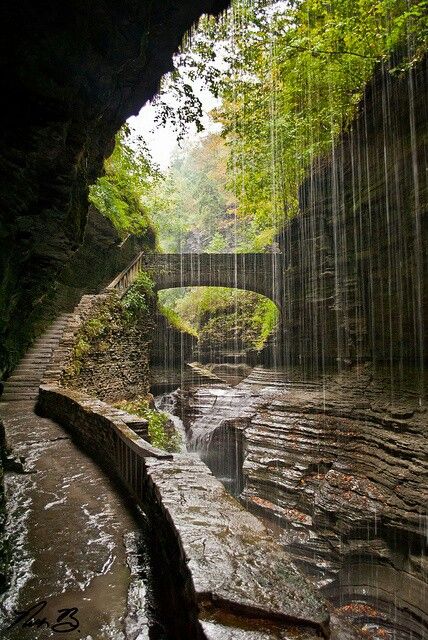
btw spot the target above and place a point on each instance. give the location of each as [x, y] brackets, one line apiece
[262, 273]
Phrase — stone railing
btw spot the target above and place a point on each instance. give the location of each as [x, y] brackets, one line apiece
[124, 280]
[101, 428]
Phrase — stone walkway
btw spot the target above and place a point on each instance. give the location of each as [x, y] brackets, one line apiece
[74, 541]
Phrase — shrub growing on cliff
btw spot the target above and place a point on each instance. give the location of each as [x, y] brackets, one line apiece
[161, 432]
[122, 194]
[139, 298]
[177, 321]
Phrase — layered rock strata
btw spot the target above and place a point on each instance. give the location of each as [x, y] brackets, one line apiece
[342, 470]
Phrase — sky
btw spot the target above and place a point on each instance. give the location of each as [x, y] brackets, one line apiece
[162, 141]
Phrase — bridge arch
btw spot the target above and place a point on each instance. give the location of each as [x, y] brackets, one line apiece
[257, 272]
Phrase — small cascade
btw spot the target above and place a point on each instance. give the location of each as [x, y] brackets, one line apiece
[167, 402]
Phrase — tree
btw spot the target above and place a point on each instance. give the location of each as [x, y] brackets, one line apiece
[289, 76]
[122, 194]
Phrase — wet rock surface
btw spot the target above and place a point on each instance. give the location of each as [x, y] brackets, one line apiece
[74, 541]
[339, 466]
[235, 565]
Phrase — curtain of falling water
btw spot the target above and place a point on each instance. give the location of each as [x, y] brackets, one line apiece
[238, 166]
[356, 292]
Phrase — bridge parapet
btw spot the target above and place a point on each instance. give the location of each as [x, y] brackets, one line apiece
[258, 272]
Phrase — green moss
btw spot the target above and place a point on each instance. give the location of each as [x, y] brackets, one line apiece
[95, 327]
[91, 338]
[161, 434]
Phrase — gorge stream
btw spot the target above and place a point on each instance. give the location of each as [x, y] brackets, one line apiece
[314, 458]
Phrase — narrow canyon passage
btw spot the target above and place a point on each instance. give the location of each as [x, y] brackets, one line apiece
[213, 303]
[317, 461]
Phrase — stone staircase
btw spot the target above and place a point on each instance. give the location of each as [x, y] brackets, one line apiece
[23, 384]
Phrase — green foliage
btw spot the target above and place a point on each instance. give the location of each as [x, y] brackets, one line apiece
[176, 321]
[123, 194]
[227, 318]
[241, 322]
[95, 327]
[138, 300]
[289, 76]
[161, 433]
[195, 208]
[81, 348]
[265, 318]
[217, 244]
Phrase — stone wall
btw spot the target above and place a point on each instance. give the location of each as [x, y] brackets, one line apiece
[103, 353]
[98, 429]
[102, 254]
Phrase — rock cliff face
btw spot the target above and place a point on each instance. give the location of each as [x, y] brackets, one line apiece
[72, 74]
[342, 473]
[355, 255]
[102, 255]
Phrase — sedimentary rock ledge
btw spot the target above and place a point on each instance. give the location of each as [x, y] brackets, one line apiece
[236, 566]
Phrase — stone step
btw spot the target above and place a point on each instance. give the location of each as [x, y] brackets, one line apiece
[29, 370]
[20, 383]
[24, 382]
[30, 364]
[17, 397]
[30, 376]
[29, 383]
[44, 352]
[30, 358]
